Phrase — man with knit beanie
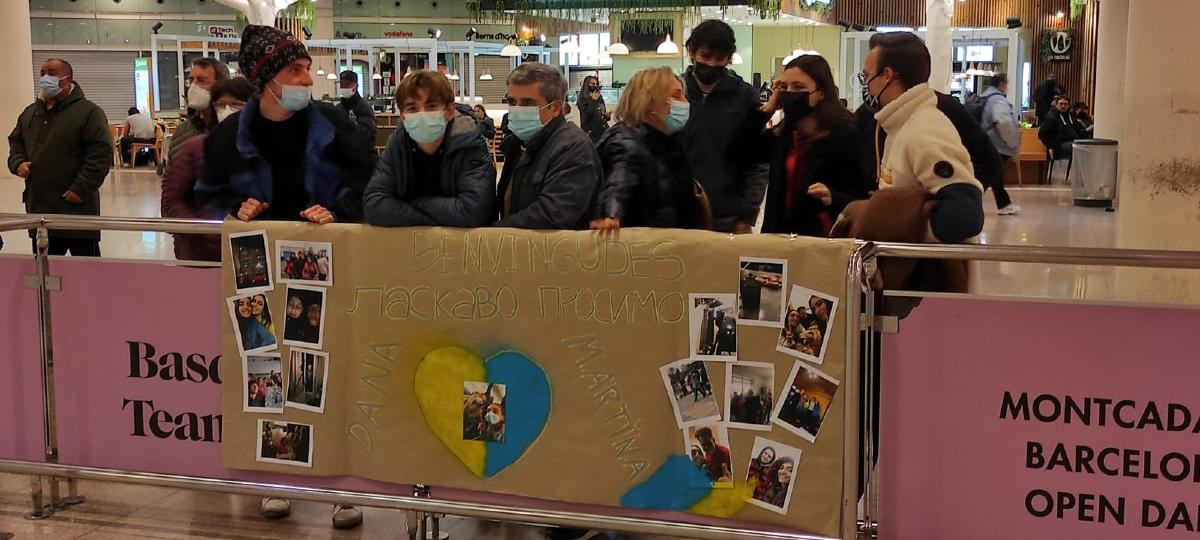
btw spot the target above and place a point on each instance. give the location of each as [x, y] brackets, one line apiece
[284, 156]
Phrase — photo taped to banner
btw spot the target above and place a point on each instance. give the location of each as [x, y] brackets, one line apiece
[760, 291]
[805, 332]
[712, 326]
[251, 262]
[308, 375]
[483, 411]
[304, 263]
[749, 395]
[254, 329]
[305, 324]
[708, 447]
[263, 374]
[807, 397]
[285, 443]
[773, 469]
[690, 391]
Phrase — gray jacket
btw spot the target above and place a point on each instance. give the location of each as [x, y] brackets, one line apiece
[467, 174]
[552, 182]
[1000, 123]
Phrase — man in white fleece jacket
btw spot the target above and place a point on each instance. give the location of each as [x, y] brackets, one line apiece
[923, 149]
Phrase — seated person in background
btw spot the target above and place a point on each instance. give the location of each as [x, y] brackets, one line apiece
[436, 169]
[1083, 118]
[185, 168]
[1059, 129]
[550, 181]
[139, 128]
[258, 164]
[648, 182]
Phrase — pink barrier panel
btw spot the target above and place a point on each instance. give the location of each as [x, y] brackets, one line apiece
[136, 347]
[21, 415]
[1004, 419]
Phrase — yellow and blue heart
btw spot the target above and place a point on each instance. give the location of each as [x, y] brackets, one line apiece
[681, 486]
[439, 390]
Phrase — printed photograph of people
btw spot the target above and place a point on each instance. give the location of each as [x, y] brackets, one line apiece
[255, 330]
[305, 324]
[773, 469]
[286, 443]
[483, 411]
[760, 291]
[308, 371]
[690, 392]
[712, 322]
[251, 267]
[306, 263]
[805, 332]
[749, 395]
[708, 446]
[263, 374]
[809, 395]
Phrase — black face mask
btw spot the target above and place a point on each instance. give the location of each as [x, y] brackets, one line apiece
[707, 74]
[593, 89]
[795, 105]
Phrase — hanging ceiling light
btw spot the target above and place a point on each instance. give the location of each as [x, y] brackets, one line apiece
[332, 77]
[376, 77]
[453, 76]
[510, 50]
[487, 76]
[568, 47]
[666, 47]
[736, 59]
[618, 49]
[321, 70]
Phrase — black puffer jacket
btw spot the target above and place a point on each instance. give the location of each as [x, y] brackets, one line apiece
[647, 180]
[591, 116]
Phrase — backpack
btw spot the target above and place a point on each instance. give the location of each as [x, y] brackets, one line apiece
[976, 104]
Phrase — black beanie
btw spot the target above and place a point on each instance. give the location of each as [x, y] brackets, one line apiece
[266, 51]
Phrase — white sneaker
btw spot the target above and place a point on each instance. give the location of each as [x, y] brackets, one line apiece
[1010, 210]
[346, 517]
[275, 508]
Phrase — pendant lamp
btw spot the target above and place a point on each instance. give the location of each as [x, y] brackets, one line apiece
[666, 47]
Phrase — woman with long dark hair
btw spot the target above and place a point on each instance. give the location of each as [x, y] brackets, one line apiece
[593, 114]
[817, 164]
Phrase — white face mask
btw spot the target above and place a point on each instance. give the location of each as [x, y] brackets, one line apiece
[198, 97]
[225, 112]
[492, 418]
[345, 92]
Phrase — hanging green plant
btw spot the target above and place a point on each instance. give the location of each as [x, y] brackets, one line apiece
[1077, 8]
[302, 9]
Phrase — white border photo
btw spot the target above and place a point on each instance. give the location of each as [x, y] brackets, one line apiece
[712, 326]
[744, 382]
[807, 337]
[760, 291]
[255, 328]
[686, 379]
[807, 396]
[704, 459]
[240, 259]
[319, 250]
[302, 442]
[297, 331]
[767, 491]
[308, 378]
[265, 371]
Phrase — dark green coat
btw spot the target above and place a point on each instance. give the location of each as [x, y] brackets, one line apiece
[69, 148]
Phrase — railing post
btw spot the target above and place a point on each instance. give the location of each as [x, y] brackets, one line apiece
[39, 510]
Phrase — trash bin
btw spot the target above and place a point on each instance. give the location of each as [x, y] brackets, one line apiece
[1093, 174]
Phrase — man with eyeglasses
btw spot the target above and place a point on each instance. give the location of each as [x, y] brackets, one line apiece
[550, 180]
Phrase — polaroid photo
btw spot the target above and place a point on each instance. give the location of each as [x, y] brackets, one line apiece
[305, 322]
[760, 291]
[712, 324]
[253, 326]
[691, 393]
[483, 411]
[263, 374]
[773, 467]
[285, 443]
[308, 373]
[708, 447]
[805, 332]
[304, 263]
[749, 395]
[251, 262]
[807, 397]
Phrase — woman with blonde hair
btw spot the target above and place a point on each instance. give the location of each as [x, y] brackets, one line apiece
[647, 180]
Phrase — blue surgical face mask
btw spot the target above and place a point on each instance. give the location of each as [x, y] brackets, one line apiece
[425, 127]
[680, 111]
[292, 98]
[525, 121]
[48, 85]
